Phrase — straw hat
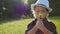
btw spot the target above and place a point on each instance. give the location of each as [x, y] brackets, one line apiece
[43, 3]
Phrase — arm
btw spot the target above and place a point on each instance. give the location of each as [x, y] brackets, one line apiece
[41, 26]
[31, 28]
[32, 31]
[45, 30]
[53, 28]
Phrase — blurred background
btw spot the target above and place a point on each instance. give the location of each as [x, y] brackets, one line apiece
[15, 15]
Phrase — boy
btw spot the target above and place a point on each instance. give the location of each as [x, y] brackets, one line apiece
[41, 25]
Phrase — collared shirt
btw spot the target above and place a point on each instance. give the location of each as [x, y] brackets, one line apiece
[49, 25]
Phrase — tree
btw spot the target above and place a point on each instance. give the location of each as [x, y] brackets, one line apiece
[55, 5]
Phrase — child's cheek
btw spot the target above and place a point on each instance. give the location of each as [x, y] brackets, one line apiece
[44, 15]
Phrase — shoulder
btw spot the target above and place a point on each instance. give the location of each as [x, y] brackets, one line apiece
[52, 25]
[32, 23]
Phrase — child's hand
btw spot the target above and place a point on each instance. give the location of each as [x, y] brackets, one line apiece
[39, 24]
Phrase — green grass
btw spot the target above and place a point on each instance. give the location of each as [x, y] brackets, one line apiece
[19, 26]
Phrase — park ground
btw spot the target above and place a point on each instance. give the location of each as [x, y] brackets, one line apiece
[19, 26]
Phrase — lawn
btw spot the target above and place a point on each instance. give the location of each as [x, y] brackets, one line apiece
[19, 26]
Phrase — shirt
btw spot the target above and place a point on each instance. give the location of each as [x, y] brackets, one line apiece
[49, 25]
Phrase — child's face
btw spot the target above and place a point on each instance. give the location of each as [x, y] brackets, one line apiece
[40, 10]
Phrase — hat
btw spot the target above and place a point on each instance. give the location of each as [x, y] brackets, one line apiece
[43, 3]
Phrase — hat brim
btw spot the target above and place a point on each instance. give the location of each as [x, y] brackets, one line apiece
[33, 5]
